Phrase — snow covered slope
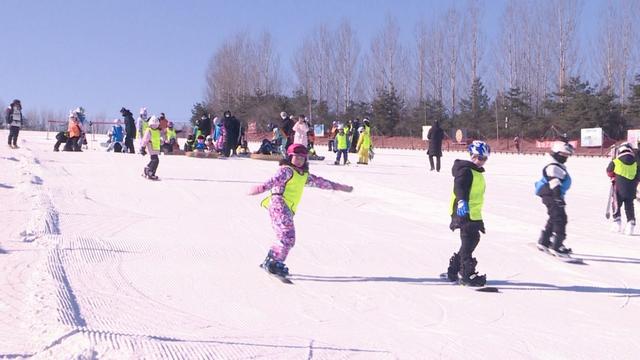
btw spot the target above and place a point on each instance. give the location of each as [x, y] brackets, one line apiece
[100, 263]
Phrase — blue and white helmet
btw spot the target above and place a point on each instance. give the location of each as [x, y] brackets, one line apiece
[479, 148]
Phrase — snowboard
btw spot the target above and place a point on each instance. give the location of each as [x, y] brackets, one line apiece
[283, 279]
[272, 157]
[485, 288]
[566, 259]
[316, 157]
[148, 178]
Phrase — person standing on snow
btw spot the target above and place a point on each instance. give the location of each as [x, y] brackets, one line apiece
[152, 139]
[300, 130]
[623, 172]
[286, 191]
[232, 133]
[142, 123]
[364, 143]
[435, 136]
[342, 146]
[13, 117]
[466, 204]
[552, 187]
[129, 129]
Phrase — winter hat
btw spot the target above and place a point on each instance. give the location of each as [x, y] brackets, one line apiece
[624, 148]
[479, 149]
[143, 112]
[283, 115]
[361, 129]
[154, 122]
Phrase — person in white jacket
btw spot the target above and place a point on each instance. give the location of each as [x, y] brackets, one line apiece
[300, 129]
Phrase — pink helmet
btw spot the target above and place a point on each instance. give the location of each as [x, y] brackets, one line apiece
[297, 149]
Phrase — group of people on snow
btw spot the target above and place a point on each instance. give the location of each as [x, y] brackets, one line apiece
[224, 136]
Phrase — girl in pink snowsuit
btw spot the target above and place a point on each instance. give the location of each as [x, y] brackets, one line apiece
[286, 191]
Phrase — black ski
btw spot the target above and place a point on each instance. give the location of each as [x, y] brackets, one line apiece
[564, 258]
[284, 279]
[476, 288]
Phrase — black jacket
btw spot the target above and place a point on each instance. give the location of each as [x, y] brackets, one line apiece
[232, 127]
[129, 124]
[462, 181]
[625, 188]
[435, 136]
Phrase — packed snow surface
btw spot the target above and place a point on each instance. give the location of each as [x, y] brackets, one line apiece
[98, 262]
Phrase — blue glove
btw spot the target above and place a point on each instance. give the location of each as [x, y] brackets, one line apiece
[463, 208]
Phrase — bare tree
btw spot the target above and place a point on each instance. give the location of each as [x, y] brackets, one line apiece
[453, 36]
[346, 57]
[421, 58]
[436, 62]
[387, 57]
[564, 41]
[267, 64]
[303, 68]
[473, 44]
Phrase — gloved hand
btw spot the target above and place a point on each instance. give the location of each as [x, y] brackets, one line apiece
[559, 202]
[345, 188]
[613, 179]
[143, 151]
[463, 208]
[256, 189]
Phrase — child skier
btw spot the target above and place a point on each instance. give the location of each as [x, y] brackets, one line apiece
[341, 145]
[286, 191]
[466, 213]
[152, 139]
[623, 171]
[364, 143]
[116, 135]
[551, 188]
[200, 145]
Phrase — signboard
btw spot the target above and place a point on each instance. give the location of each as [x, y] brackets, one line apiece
[460, 135]
[591, 137]
[252, 127]
[547, 144]
[633, 135]
[318, 130]
[425, 131]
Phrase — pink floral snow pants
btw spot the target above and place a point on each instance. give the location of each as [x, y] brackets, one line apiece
[282, 224]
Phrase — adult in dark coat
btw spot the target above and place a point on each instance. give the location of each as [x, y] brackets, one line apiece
[286, 127]
[355, 135]
[129, 128]
[435, 136]
[232, 127]
[205, 125]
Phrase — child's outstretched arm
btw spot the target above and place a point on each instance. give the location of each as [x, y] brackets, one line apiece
[322, 183]
[276, 183]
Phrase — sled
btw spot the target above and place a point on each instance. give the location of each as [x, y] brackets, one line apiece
[272, 157]
[202, 154]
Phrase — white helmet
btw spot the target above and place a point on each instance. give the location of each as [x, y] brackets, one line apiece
[361, 129]
[143, 111]
[209, 138]
[283, 114]
[562, 148]
[154, 122]
[624, 148]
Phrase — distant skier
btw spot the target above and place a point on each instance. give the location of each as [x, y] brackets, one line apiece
[129, 129]
[341, 146]
[435, 136]
[116, 135]
[552, 187]
[623, 171]
[152, 139]
[363, 147]
[466, 213]
[13, 117]
[286, 191]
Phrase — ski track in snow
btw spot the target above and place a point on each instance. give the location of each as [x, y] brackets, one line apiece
[95, 277]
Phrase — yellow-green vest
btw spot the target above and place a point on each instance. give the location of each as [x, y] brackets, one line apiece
[476, 196]
[145, 126]
[292, 191]
[341, 141]
[624, 170]
[171, 133]
[155, 139]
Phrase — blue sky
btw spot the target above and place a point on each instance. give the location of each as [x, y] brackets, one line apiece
[103, 55]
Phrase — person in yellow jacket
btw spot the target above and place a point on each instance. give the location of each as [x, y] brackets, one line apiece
[342, 145]
[151, 142]
[364, 143]
[466, 213]
[286, 191]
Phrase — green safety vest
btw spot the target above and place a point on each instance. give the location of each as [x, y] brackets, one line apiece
[155, 139]
[476, 196]
[292, 191]
[171, 133]
[341, 141]
[624, 170]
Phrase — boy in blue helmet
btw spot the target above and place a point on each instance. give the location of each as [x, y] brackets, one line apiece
[466, 213]
[552, 187]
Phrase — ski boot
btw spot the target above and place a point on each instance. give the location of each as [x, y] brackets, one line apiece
[274, 266]
[336, 163]
[558, 248]
[631, 224]
[454, 268]
[544, 241]
[469, 275]
[146, 173]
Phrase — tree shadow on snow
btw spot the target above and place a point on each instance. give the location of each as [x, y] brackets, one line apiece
[515, 285]
[212, 180]
[605, 258]
[303, 277]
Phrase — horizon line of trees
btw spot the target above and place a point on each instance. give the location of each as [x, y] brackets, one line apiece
[530, 78]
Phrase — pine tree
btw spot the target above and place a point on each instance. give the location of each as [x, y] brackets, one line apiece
[387, 110]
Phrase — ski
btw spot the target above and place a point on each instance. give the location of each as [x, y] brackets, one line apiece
[612, 202]
[283, 279]
[490, 289]
[564, 258]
